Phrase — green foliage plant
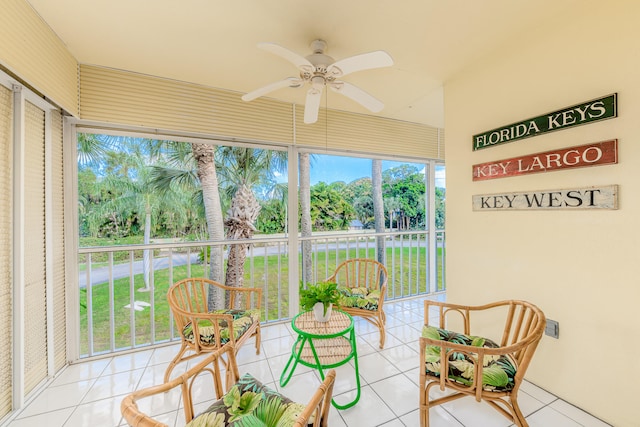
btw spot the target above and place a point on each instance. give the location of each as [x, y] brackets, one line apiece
[324, 292]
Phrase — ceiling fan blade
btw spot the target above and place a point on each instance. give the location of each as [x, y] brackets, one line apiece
[288, 82]
[296, 59]
[365, 61]
[312, 105]
[358, 95]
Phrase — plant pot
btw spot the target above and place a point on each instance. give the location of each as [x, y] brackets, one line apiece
[318, 312]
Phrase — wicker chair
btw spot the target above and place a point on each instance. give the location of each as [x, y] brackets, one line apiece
[315, 413]
[363, 285]
[475, 366]
[203, 330]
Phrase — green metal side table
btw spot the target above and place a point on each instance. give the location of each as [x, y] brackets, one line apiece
[323, 345]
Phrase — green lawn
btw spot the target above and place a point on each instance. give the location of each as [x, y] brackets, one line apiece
[272, 277]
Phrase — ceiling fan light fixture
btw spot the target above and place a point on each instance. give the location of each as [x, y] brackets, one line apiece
[317, 82]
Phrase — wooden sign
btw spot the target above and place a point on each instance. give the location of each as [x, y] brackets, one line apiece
[599, 153]
[573, 198]
[587, 112]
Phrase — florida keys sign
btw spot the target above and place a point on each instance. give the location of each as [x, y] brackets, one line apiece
[587, 112]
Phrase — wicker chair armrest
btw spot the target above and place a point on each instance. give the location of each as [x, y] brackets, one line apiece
[319, 403]
[445, 309]
[473, 350]
[383, 293]
[129, 407]
[135, 418]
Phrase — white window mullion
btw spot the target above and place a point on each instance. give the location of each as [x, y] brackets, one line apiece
[292, 230]
[430, 176]
[48, 203]
[18, 245]
[72, 293]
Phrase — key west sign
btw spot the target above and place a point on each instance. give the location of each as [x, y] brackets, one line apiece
[587, 112]
[599, 153]
[574, 198]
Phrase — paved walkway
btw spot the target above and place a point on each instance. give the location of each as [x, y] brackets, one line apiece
[101, 274]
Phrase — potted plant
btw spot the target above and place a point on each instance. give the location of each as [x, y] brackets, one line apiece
[320, 298]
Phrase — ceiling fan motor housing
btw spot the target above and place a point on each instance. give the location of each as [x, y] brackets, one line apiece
[319, 60]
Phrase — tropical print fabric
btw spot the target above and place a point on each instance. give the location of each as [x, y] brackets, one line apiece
[249, 403]
[497, 372]
[242, 320]
[360, 297]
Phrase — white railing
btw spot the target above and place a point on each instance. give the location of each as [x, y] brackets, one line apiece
[119, 311]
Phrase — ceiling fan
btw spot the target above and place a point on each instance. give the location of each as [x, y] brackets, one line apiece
[320, 70]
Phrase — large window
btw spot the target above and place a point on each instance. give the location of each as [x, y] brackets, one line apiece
[153, 211]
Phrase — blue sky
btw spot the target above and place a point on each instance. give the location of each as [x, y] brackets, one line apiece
[330, 168]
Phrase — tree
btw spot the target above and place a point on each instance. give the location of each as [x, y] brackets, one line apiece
[139, 197]
[204, 156]
[392, 206]
[406, 185]
[304, 166]
[192, 167]
[359, 194]
[440, 207]
[273, 212]
[329, 209]
[243, 169]
[378, 207]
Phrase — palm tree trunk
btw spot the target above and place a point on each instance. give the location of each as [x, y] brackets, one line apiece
[240, 221]
[235, 267]
[305, 219]
[378, 207]
[206, 167]
[146, 256]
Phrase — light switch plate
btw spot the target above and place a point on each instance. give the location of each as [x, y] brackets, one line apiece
[552, 328]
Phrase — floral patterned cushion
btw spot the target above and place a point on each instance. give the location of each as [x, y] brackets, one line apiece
[497, 372]
[249, 403]
[242, 320]
[361, 297]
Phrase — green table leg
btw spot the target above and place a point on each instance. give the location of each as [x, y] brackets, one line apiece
[352, 338]
[295, 358]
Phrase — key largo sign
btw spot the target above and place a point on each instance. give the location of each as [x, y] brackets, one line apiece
[599, 153]
[587, 112]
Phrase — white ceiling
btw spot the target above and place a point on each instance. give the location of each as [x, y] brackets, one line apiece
[213, 42]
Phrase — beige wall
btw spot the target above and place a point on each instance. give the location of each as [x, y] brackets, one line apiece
[580, 267]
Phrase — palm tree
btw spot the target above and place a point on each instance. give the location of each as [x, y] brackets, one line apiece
[391, 205]
[192, 168]
[204, 156]
[243, 169]
[274, 211]
[304, 166]
[93, 149]
[378, 206]
[129, 176]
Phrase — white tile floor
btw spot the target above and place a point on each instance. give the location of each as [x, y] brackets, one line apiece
[88, 394]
